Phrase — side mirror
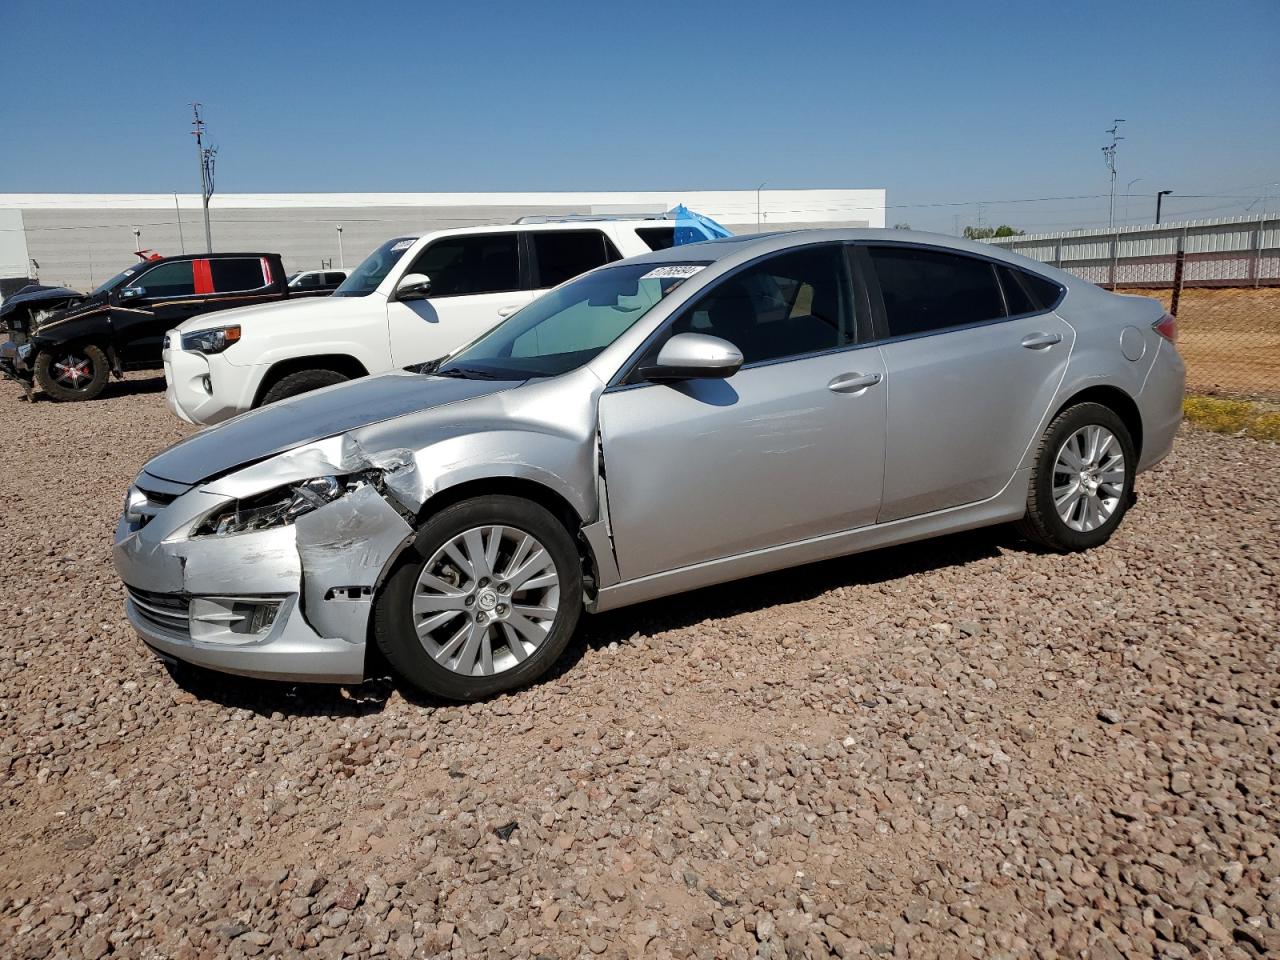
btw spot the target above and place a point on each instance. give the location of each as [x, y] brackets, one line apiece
[694, 356]
[413, 286]
[132, 293]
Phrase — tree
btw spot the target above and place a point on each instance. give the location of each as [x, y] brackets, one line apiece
[985, 233]
[902, 226]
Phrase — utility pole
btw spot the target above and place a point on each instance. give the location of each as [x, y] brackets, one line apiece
[1109, 153]
[207, 156]
[1159, 197]
[342, 260]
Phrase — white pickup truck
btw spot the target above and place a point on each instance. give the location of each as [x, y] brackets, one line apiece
[413, 299]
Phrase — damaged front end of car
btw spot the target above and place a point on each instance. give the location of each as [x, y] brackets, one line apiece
[270, 571]
[21, 317]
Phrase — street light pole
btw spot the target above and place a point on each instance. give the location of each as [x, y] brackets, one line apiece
[1159, 197]
[758, 189]
[137, 239]
[342, 261]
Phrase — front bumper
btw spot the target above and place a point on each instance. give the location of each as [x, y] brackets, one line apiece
[14, 362]
[323, 570]
[192, 385]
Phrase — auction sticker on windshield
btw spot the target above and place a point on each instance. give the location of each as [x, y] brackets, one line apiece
[403, 245]
[674, 271]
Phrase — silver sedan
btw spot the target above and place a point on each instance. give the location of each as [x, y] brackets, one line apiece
[688, 417]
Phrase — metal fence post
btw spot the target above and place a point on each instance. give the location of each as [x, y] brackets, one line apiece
[1257, 253]
[1177, 272]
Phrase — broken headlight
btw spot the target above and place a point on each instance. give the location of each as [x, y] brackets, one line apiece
[281, 506]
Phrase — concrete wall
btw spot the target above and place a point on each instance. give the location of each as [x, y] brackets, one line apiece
[81, 240]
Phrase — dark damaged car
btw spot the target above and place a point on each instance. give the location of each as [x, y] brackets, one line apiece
[69, 344]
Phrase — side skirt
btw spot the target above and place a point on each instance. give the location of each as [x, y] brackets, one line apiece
[1010, 504]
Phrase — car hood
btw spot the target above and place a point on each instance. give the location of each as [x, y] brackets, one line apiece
[313, 416]
[317, 307]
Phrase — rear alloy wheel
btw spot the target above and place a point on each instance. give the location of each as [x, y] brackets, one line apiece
[488, 603]
[72, 373]
[1082, 481]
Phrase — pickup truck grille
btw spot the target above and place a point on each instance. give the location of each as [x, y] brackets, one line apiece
[169, 611]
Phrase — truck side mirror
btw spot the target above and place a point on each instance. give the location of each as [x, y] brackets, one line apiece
[413, 286]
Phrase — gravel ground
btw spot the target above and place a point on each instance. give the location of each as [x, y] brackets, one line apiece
[958, 748]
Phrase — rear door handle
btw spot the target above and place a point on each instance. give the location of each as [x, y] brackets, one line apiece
[853, 382]
[1038, 341]
[505, 312]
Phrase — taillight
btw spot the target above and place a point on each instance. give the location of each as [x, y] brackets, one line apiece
[1167, 327]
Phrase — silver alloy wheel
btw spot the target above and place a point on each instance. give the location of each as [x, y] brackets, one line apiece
[72, 369]
[486, 600]
[1088, 478]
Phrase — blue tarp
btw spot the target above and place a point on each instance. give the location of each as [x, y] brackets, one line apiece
[694, 227]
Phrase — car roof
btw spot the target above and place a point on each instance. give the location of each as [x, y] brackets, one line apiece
[750, 245]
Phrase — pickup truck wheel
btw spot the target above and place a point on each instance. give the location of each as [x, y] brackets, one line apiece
[486, 602]
[303, 381]
[72, 373]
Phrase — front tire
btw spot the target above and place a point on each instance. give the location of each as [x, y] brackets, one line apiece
[487, 601]
[304, 381]
[68, 374]
[1082, 480]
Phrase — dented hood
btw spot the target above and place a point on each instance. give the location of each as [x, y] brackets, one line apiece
[290, 423]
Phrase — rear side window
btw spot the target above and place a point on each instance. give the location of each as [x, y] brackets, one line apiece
[481, 263]
[928, 290]
[168, 280]
[564, 254]
[1016, 296]
[658, 238]
[238, 273]
[309, 280]
[1044, 291]
[334, 278]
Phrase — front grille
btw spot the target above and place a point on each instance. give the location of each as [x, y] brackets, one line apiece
[168, 611]
[146, 509]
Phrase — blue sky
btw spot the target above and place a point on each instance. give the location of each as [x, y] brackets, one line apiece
[939, 102]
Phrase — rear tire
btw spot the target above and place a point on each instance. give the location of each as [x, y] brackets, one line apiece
[486, 602]
[1082, 480]
[304, 381]
[67, 374]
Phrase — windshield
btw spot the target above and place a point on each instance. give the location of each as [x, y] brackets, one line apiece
[117, 280]
[563, 329]
[365, 278]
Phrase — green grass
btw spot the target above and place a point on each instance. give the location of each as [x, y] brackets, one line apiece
[1242, 417]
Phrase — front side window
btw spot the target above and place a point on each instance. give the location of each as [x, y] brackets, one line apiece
[568, 327]
[564, 254]
[365, 278]
[462, 266]
[929, 290]
[231, 275]
[788, 305]
[168, 280]
[334, 278]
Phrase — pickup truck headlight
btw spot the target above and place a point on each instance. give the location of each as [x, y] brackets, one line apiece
[213, 340]
[281, 506]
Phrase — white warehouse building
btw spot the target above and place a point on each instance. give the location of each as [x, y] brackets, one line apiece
[80, 240]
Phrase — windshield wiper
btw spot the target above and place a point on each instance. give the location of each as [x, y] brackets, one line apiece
[467, 373]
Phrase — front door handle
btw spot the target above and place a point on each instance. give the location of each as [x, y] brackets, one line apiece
[505, 312]
[1038, 341]
[853, 382]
